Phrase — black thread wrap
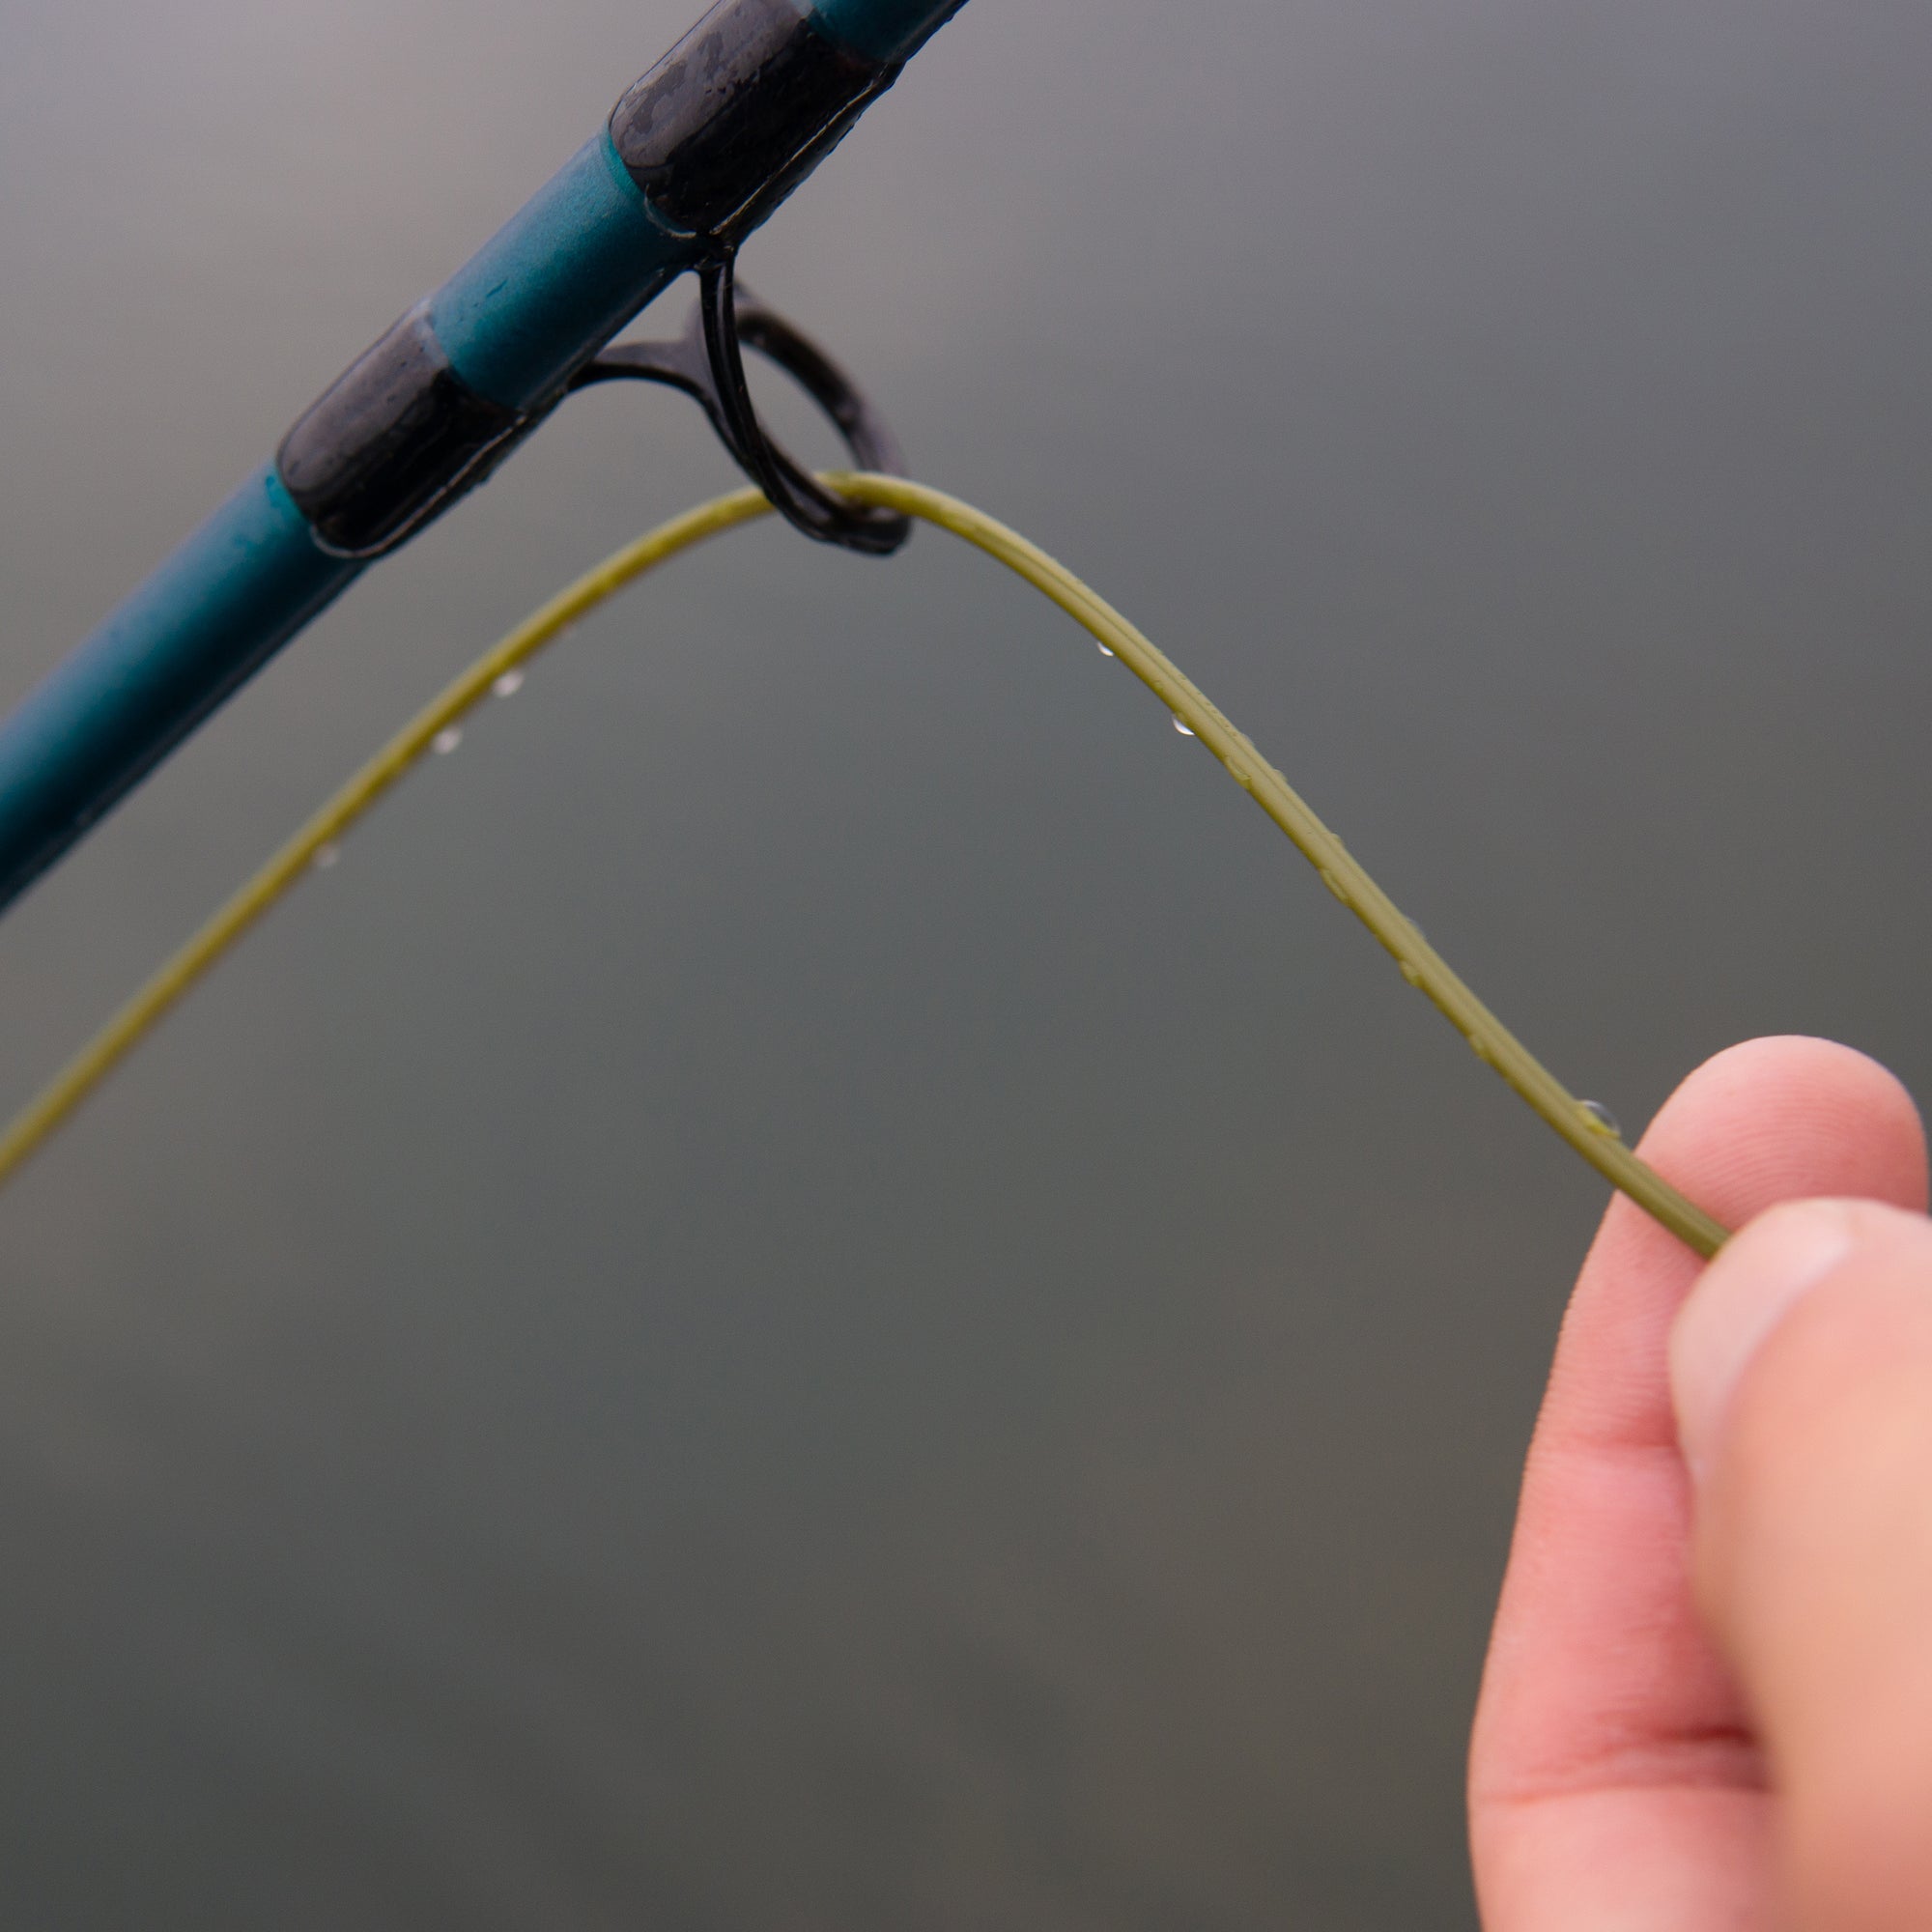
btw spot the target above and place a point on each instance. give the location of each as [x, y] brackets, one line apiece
[392, 443]
[738, 113]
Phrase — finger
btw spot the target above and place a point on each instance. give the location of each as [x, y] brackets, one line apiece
[1803, 1375]
[1613, 1778]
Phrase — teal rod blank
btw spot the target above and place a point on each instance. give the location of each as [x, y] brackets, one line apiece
[556, 283]
[542, 296]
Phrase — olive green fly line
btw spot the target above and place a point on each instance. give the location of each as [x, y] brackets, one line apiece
[1585, 1126]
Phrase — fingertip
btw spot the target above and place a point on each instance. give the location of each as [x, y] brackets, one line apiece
[1790, 1116]
[1767, 1269]
[1773, 1120]
[1848, 1257]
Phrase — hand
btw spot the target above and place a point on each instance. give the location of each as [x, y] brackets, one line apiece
[1708, 1706]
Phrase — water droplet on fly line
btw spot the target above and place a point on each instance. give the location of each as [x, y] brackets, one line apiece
[446, 740]
[1186, 731]
[1103, 650]
[327, 858]
[1242, 777]
[1335, 885]
[509, 684]
[1412, 974]
[1600, 1117]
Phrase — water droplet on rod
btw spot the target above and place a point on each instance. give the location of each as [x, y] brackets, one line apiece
[1600, 1117]
[1186, 731]
[509, 684]
[1104, 651]
[446, 740]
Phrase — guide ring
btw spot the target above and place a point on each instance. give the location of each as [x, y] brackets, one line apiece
[707, 364]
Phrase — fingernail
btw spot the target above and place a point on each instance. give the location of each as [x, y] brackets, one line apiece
[1744, 1294]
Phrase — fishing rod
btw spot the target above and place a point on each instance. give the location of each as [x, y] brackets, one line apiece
[691, 159]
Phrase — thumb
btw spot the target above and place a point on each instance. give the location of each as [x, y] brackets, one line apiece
[1801, 1370]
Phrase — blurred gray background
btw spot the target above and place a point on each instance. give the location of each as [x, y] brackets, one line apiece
[822, 1287]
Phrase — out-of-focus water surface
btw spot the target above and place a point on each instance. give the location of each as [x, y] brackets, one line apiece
[821, 1287]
